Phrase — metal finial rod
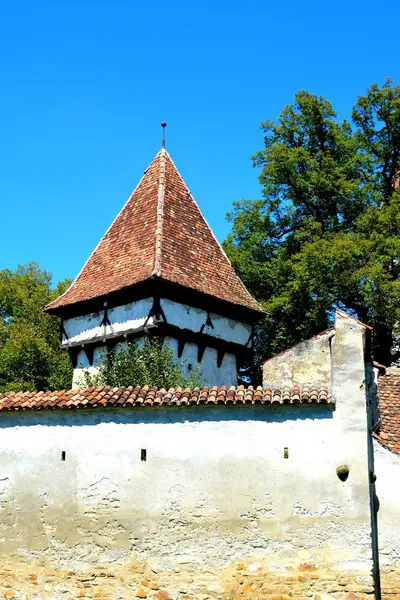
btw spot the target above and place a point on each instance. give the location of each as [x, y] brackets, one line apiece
[163, 125]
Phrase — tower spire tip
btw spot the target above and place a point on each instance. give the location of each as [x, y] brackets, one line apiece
[163, 125]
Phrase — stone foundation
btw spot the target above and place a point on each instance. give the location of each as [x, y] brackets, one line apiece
[236, 580]
[390, 583]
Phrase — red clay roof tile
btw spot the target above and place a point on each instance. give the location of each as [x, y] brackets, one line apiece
[160, 232]
[145, 396]
[389, 406]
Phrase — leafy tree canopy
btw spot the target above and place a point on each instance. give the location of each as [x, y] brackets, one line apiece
[326, 232]
[30, 357]
[149, 362]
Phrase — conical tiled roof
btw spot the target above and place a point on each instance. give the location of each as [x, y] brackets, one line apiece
[159, 233]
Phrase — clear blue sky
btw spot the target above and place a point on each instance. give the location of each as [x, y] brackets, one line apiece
[85, 85]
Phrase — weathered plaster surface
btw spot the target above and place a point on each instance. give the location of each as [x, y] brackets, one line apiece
[215, 507]
[232, 501]
[306, 364]
[387, 469]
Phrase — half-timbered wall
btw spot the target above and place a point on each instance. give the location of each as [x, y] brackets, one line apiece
[217, 362]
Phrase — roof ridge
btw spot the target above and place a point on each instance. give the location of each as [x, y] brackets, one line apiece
[160, 215]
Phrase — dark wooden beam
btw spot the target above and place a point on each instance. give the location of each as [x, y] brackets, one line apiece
[220, 357]
[181, 347]
[164, 330]
[200, 352]
[89, 351]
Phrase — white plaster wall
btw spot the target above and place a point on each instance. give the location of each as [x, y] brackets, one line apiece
[188, 317]
[211, 374]
[98, 357]
[387, 470]
[129, 317]
[215, 487]
[132, 317]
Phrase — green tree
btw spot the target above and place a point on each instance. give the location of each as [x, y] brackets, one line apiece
[150, 363]
[326, 232]
[30, 356]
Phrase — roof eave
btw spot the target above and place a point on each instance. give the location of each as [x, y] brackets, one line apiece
[162, 287]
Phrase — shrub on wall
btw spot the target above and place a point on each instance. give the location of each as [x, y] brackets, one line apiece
[150, 363]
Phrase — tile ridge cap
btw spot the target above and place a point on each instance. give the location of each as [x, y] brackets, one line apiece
[156, 272]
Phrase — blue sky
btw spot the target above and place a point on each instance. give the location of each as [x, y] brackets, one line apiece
[86, 84]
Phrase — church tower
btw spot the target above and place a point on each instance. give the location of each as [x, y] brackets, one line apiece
[160, 270]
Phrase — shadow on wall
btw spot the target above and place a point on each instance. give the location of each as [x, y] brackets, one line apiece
[167, 415]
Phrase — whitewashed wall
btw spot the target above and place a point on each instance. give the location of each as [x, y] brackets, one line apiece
[132, 317]
[226, 374]
[215, 487]
[216, 511]
[129, 317]
[188, 317]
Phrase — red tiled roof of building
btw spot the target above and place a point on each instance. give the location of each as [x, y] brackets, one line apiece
[389, 405]
[101, 397]
[160, 232]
